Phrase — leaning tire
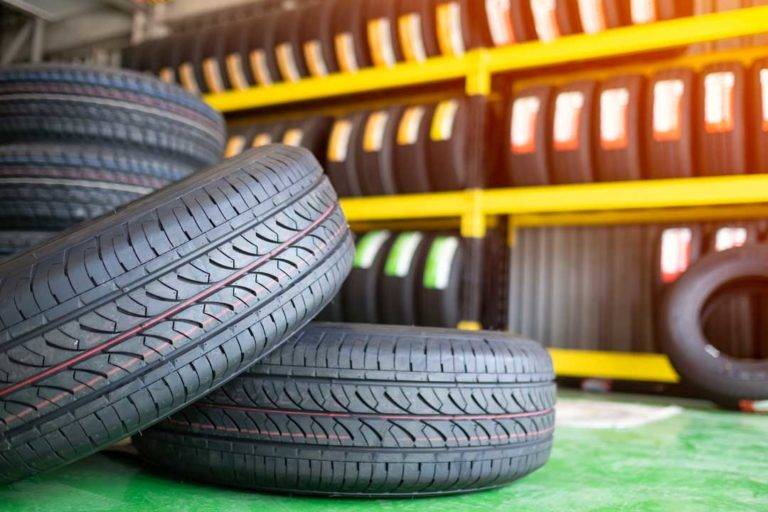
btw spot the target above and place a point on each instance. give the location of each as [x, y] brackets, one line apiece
[66, 103]
[365, 410]
[727, 380]
[109, 328]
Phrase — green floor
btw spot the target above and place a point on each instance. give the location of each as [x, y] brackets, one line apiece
[699, 460]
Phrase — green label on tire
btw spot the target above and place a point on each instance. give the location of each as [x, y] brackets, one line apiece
[368, 247]
[439, 262]
[401, 255]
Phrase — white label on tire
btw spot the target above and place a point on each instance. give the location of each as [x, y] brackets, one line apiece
[375, 126]
[667, 104]
[313, 55]
[568, 107]
[613, 118]
[380, 42]
[293, 137]
[643, 11]
[729, 238]
[443, 120]
[338, 145]
[411, 37]
[675, 253]
[525, 111]
[287, 62]
[401, 255]
[719, 101]
[235, 146]
[262, 139]
[344, 44]
[408, 130]
[167, 75]
[592, 15]
[259, 68]
[212, 75]
[499, 16]
[368, 247]
[188, 80]
[545, 19]
[437, 270]
[236, 72]
[450, 36]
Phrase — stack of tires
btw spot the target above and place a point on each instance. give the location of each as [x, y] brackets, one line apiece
[78, 142]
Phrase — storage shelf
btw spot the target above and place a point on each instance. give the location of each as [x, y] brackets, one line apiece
[477, 66]
[613, 365]
[604, 203]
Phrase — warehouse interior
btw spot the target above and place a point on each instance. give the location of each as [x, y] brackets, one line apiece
[383, 254]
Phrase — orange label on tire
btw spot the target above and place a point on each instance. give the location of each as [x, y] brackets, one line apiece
[212, 75]
[344, 45]
[568, 112]
[498, 14]
[258, 61]
[450, 38]
[525, 113]
[408, 129]
[293, 137]
[236, 72]
[592, 15]
[375, 126]
[313, 55]
[187, 77]
[613, 118]
[643, 11]
[166, 75]
[235, 146]
[261, 139]
[286, 62]
[411, 37]
[380, 42]
[443, 120]
[719, 101]
[667, 109]
[545, 19]
[338, 142]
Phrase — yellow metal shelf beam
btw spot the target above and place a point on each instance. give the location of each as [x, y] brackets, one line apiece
[613, 365]
[477, 66]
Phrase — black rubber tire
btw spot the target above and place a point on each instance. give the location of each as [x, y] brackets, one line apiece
[12, 242]
[440, 287]
[401, 278]
[410, 151]
[342, 172]
[107, 329]
[53, 186]
[725, 379]
[317, 38]
[449, 157]
[69, 103]
[363, 410]
[375, 164]
[361, 291]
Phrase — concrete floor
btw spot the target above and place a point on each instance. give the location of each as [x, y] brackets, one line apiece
[688, 458]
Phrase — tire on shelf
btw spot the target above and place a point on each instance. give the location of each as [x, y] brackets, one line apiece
[527, 157]
[236, 56]
[54, 186]
[416, 30]
[727, 380]
[287, 45]
[317, 38]
[375, 147]
[213, 54]
[70, 103]
[109, 328]
[440, 287]
[381, 31]
[721, 120]
[599, 15]
[411, 165]
[670, 136]
[573, 113]
[168, 60]
[503, 22]
[455, 27]
[620, 148]
[310, 133]
[285, 441]
[190, 70]
[553, 19]
[350, 41]
[262, 61]
[403, 271]
[264, 134]
[361, 291]
[448, 148]
[341, 157]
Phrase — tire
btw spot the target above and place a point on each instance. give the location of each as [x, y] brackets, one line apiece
[66, 103]
[362, 289]
[401, 278]
[363, 410]
[12, 242]
[108, 328]
[727, 380]
[54, 186]
[440, 288]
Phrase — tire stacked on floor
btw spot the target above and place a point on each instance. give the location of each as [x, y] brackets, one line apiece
[123, 320]
[370, 411]
[77, 142]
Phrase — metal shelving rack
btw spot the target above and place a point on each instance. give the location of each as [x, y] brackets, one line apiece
[475, 209]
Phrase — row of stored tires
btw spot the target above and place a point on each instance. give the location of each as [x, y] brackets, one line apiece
[675, 123]
[398, 149]
[327, 36]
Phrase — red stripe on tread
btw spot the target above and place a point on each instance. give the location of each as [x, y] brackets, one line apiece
[167, 313]
[505, 416]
